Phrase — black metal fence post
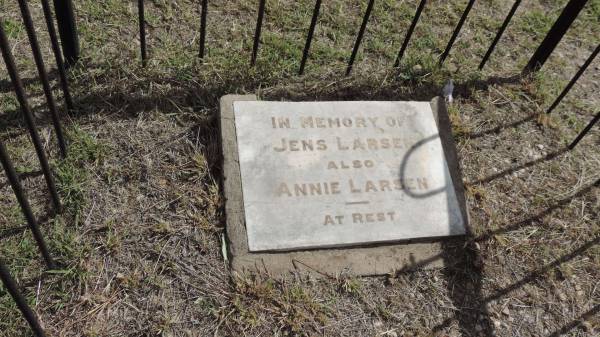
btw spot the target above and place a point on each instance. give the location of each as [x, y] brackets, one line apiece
[203, 27]
[57, 56]
[142, 25]
[361, 32]
[499, 34]
[13, 290]
[584, 131]
[67, 28]
[409, 33]
[574, 79]
[39, 62]
[13, 179]
[560, 27]
[259, 20]
[21, 97]
[311, 32]
[462, 20]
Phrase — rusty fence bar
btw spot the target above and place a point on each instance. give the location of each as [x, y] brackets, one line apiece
[57, 55]
[584, 131]
[21, 97]
[142, 26]
[67, 28]
[39, 62]
[499, 34]
[259, 20]
[311, 32]
[574, 79]
[204, 9]
[15, 183]
[13, 290]
[409, 33]
[461, 22]
[560, 27]
[361, 32]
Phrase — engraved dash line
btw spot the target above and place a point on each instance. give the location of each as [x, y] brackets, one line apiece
[364, 202]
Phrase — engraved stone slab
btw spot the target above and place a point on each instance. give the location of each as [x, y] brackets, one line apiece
[331, 174]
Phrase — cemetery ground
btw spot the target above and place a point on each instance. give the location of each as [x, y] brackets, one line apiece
[140, 236]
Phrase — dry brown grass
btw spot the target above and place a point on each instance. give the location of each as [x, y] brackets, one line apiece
[141, 239]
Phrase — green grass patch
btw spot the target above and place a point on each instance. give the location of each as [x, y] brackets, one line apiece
[72, 172]
[21, 253]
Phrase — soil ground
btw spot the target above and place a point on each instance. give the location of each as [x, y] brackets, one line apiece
[139, 240]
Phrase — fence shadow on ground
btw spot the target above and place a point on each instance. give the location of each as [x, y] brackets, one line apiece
[550, 156]
[42, 220]
[538, 216]
[500, 127]
[575, 323]
[464, 274]
[129, 101]
[464, 267]
[6, 85]
[476, 312]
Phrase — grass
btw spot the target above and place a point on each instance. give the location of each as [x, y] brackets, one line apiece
[139, 241]
[72, 173]
[61, 231]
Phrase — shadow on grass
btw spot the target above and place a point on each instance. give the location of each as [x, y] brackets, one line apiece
[540, 272]
[529, 220]
[479, 309]
[49, 213]
[464, 276]
[24, 175]
[129, 101]
[464, 268]
[473, 307]
[6, 85]
[499, 128]
[521, 166]
[467, 88]
[464, 265]
[462, 261]
[575, 323]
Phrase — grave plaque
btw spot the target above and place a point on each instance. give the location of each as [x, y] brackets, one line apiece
[341, 174]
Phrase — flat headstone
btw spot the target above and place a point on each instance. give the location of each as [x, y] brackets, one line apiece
[330, 174]
[361, 188]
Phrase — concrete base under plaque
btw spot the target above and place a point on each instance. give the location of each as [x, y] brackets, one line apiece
[366, 259]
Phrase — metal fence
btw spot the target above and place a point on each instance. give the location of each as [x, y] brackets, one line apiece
[5, 159]
[70, 49]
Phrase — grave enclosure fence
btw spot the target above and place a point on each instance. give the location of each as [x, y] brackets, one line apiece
[67, 30]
